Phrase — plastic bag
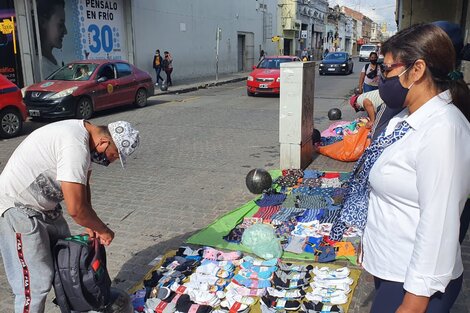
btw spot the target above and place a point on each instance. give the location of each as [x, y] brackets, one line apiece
[262, 241]
[350, 148]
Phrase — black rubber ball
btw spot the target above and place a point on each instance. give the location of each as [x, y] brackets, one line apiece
[334, 114]
[164, 86]
[257, 180]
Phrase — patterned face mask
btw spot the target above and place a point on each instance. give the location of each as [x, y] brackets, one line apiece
[99, 158]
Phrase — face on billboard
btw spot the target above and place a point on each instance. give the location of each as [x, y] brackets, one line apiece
[52, 28]
[79, 29]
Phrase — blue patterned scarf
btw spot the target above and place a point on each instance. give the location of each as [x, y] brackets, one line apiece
[356, 201]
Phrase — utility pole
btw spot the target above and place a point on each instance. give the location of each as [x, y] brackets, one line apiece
[217, 38]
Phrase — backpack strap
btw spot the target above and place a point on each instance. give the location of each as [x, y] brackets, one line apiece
[60, 296]
[366, 66]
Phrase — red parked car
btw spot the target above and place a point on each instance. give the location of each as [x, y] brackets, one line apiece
[80, 88]
[265, 77]
[12, 109]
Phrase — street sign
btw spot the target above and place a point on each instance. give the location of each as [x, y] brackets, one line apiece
[303, 34]
[275, 38]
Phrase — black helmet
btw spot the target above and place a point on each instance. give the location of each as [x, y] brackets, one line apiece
[334, 114]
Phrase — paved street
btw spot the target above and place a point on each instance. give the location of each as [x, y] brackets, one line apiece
[196, 149]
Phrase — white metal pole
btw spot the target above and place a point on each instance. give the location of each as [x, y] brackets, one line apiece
[217, 38]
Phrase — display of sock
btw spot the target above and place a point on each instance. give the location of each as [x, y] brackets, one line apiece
[251, 283]
[296, 244]
[286, 293]
[271, 199]
[267, 212]
[255, 275]
[280, 304]
[294, 267]
[324, 254]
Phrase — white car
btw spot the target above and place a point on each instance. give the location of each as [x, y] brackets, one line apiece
[365, 51]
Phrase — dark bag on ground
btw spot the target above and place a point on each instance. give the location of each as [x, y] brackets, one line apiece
[81, 280]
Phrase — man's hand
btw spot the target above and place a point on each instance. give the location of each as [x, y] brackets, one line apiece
[105, 237]
[369, 124]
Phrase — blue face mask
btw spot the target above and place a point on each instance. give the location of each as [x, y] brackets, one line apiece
[392, 92]
[99, 157]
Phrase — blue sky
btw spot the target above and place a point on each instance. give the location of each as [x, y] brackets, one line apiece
[378, 10]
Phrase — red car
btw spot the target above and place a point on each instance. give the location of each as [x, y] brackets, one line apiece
[265, 77]
[12, 109]
[80, 88]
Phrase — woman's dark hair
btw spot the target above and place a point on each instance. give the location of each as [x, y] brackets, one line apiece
[46, 8]
[431, 44]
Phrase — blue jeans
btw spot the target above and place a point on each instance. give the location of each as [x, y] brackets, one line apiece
[367, 88]
[26, 238]
[389, 295]
[158, 70]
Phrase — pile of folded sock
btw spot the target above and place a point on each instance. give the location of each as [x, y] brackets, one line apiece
[288, 290]
[174, 269]
[330, 286]
[252, 280]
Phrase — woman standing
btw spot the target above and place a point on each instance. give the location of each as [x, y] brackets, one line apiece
[369, 78]
[415, 177]
[168, 67]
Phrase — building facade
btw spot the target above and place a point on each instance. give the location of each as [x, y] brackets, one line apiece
[133, 30]
[302, 26]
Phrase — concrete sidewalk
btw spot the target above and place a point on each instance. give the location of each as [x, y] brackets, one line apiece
[188, 85]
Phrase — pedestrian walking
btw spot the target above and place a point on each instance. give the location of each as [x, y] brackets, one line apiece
[370, 73]
[168, 67]
[262, 55]
[413, 183]
[157, 65]
[51, 165]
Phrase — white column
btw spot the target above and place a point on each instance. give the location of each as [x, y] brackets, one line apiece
[296, 114]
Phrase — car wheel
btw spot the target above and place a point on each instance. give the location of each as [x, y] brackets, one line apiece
[141, 98]
[11, 123]
[250, 94]
[351, 71]
[84, 108]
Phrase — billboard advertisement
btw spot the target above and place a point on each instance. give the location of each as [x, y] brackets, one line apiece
[10, 58]
[80, 29]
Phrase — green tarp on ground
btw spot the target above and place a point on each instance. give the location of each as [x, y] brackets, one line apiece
[212, 234]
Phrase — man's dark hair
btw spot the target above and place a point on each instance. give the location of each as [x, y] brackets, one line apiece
[104, 130]
[46, 8]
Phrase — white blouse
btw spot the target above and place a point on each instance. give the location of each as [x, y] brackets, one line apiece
[419, 186]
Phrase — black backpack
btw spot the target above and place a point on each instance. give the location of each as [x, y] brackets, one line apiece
[81, 280]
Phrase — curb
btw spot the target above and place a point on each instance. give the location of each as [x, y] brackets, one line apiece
[200, 86]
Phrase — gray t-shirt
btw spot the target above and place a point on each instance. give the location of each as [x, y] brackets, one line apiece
[51, 154]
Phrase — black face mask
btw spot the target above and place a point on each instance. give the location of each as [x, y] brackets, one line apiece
[373, 62]
[99, 158]
[392, 92]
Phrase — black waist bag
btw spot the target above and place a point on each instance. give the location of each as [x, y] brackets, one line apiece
[81, 280]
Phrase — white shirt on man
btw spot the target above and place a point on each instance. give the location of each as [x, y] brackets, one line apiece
[418, 189]
[373, 96]
[51, 154]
